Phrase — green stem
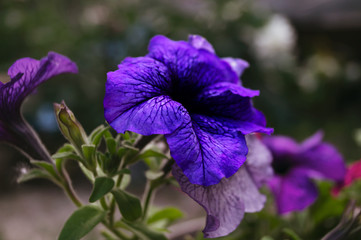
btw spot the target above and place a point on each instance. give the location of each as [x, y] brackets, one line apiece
[71, 194]
[107, 235]
[103, 203]
[68, 188]
[153, 185]
[112, 203]
[117, 233]
[148, 194]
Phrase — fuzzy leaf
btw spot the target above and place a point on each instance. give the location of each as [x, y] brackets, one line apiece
[102, 186]
[82, 221]
[170, 214]
[33, 174]
[47, 167]
[152, 175]
[96, 136]
[129, 206]
[111, 145]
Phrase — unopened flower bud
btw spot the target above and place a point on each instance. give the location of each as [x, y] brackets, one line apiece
[69, 126]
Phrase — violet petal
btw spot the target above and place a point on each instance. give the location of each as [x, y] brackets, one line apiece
[194, 68]
[135, 98]
[30, 74]
[200, 43]
[206, 151]
[259, 160]
[312, 141]
[226, 202]
[225, 102]
[238, 65]
[294, 191]
[281, 146]
[326, 161]
[26, 74]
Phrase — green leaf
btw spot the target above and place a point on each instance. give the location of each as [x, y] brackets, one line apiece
[151, 153]
[82, 221]
[88, 151]
[47, 167]
[291, 234]
[96, 131]
[59, 162]
[143, 232]
[121, 152]
[97, 134]
[102, 186]
[325, 205]
[89, 155]
[87, 172]
[129, 206]
[66, 148]
[126, 136]
[171, 214]
[111, 145]
[152, 158]
[124, 171]
[66, 155]
[33, 174]
[125, 181]
[152, 175]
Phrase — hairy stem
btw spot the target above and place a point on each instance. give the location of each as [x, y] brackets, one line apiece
[68, 188]
[117, 233]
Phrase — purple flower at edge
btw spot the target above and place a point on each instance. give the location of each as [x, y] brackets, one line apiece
[295, 165]
[26, 74]
[186, 92]
[227, 201]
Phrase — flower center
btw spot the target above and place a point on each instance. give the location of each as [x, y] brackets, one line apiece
[187, 97]
[281, 166]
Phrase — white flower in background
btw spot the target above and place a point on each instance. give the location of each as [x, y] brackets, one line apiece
[274, 43]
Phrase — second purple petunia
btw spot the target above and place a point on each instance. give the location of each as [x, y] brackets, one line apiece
[186, 92]
[295, 165]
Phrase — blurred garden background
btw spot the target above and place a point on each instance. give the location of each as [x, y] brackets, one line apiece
[305, 58]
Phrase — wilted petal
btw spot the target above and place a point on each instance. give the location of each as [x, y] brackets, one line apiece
[200, 43]
[226, 202]
[207, 151]
[27, 73]
[294, 191]
[135, 98]
[259, 160]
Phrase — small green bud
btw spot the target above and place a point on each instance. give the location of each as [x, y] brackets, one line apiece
[69, 126]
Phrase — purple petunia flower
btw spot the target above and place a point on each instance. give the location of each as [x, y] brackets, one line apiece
[295, 165]
[183, 90]
[26, 74]
[226, 202]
